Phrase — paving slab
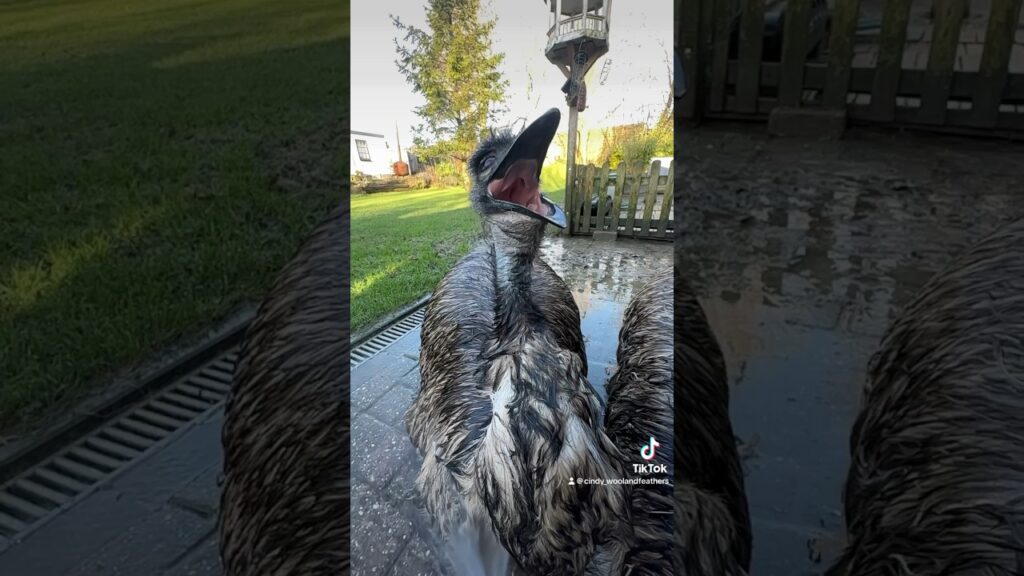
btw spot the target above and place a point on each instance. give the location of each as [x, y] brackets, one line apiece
[153, 544]
[204, 560]
[380, 533]
[378, 450]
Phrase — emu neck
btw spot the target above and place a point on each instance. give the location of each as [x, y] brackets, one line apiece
[515, 249]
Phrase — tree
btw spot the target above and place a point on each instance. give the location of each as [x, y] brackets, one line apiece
[452, 66]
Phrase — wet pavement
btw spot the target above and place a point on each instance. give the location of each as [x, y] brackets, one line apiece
[802, 253]
[390, 533]
[157, 518]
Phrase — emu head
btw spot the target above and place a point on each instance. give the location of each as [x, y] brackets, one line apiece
[505, 173]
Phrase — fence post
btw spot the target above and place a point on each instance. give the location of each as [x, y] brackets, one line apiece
[570, 211]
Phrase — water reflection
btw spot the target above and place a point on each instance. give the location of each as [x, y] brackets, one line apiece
[802, 255]
[603, 277]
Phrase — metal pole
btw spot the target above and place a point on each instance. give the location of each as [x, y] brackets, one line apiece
[570, 171]
[398, 141]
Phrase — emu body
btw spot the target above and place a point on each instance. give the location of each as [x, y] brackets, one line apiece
[505, 415]
[712, 521]
[640, 399]
[283, 501]
[936, 482]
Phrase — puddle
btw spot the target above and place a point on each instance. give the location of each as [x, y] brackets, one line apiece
[603, 276]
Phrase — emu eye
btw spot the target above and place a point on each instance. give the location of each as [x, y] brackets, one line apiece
[487, 163]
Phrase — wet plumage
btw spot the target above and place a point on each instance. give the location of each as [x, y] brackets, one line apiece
[283, 503]
[936, 483]
[640, 398]
[505, 414]
[712, 521]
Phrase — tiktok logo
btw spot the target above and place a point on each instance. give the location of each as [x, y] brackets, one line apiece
[647, 450]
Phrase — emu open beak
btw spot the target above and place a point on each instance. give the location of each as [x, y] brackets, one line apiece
[515, 183]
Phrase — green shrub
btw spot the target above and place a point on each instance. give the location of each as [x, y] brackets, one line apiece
[446, 174]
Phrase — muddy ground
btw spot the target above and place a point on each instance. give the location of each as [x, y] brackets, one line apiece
[803, 252]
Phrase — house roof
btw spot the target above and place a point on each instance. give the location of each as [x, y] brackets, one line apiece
[367, 134]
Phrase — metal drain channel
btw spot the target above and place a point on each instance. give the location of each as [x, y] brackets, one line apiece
[42, 492]
[31, 499]
[386, 338]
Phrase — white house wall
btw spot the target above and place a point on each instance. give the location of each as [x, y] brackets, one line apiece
[381, 156]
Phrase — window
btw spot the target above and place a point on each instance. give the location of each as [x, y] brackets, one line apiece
[363, 149]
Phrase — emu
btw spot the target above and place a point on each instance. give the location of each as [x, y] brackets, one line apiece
[936, 480]
[640, 400]
[283, 502]
[712, 520]
[505, 415]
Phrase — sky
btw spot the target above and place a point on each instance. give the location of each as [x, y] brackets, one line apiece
[635, 90]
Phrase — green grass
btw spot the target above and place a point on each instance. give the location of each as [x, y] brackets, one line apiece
[159, 162]
[404, 242]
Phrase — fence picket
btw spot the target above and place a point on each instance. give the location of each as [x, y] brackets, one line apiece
[577, 196]
[748, 85]
[687, 29]
[588, 185]
[666, 202]
[602, 193]
[620, 182]
[652, 197]
[723, 13]
[634, 196]
[840, 58]
[995, 62]
[949, 15]
[794, 52]
[890, 59]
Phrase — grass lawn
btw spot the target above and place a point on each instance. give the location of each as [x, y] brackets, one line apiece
[159, 162]
[404, 242]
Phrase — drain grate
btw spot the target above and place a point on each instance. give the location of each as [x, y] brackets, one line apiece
[31, 499]
[386, 338]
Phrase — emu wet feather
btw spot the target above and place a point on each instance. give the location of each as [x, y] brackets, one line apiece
[505, 415]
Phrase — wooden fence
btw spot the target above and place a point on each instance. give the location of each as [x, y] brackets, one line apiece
[951, 64]
[642, 194]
